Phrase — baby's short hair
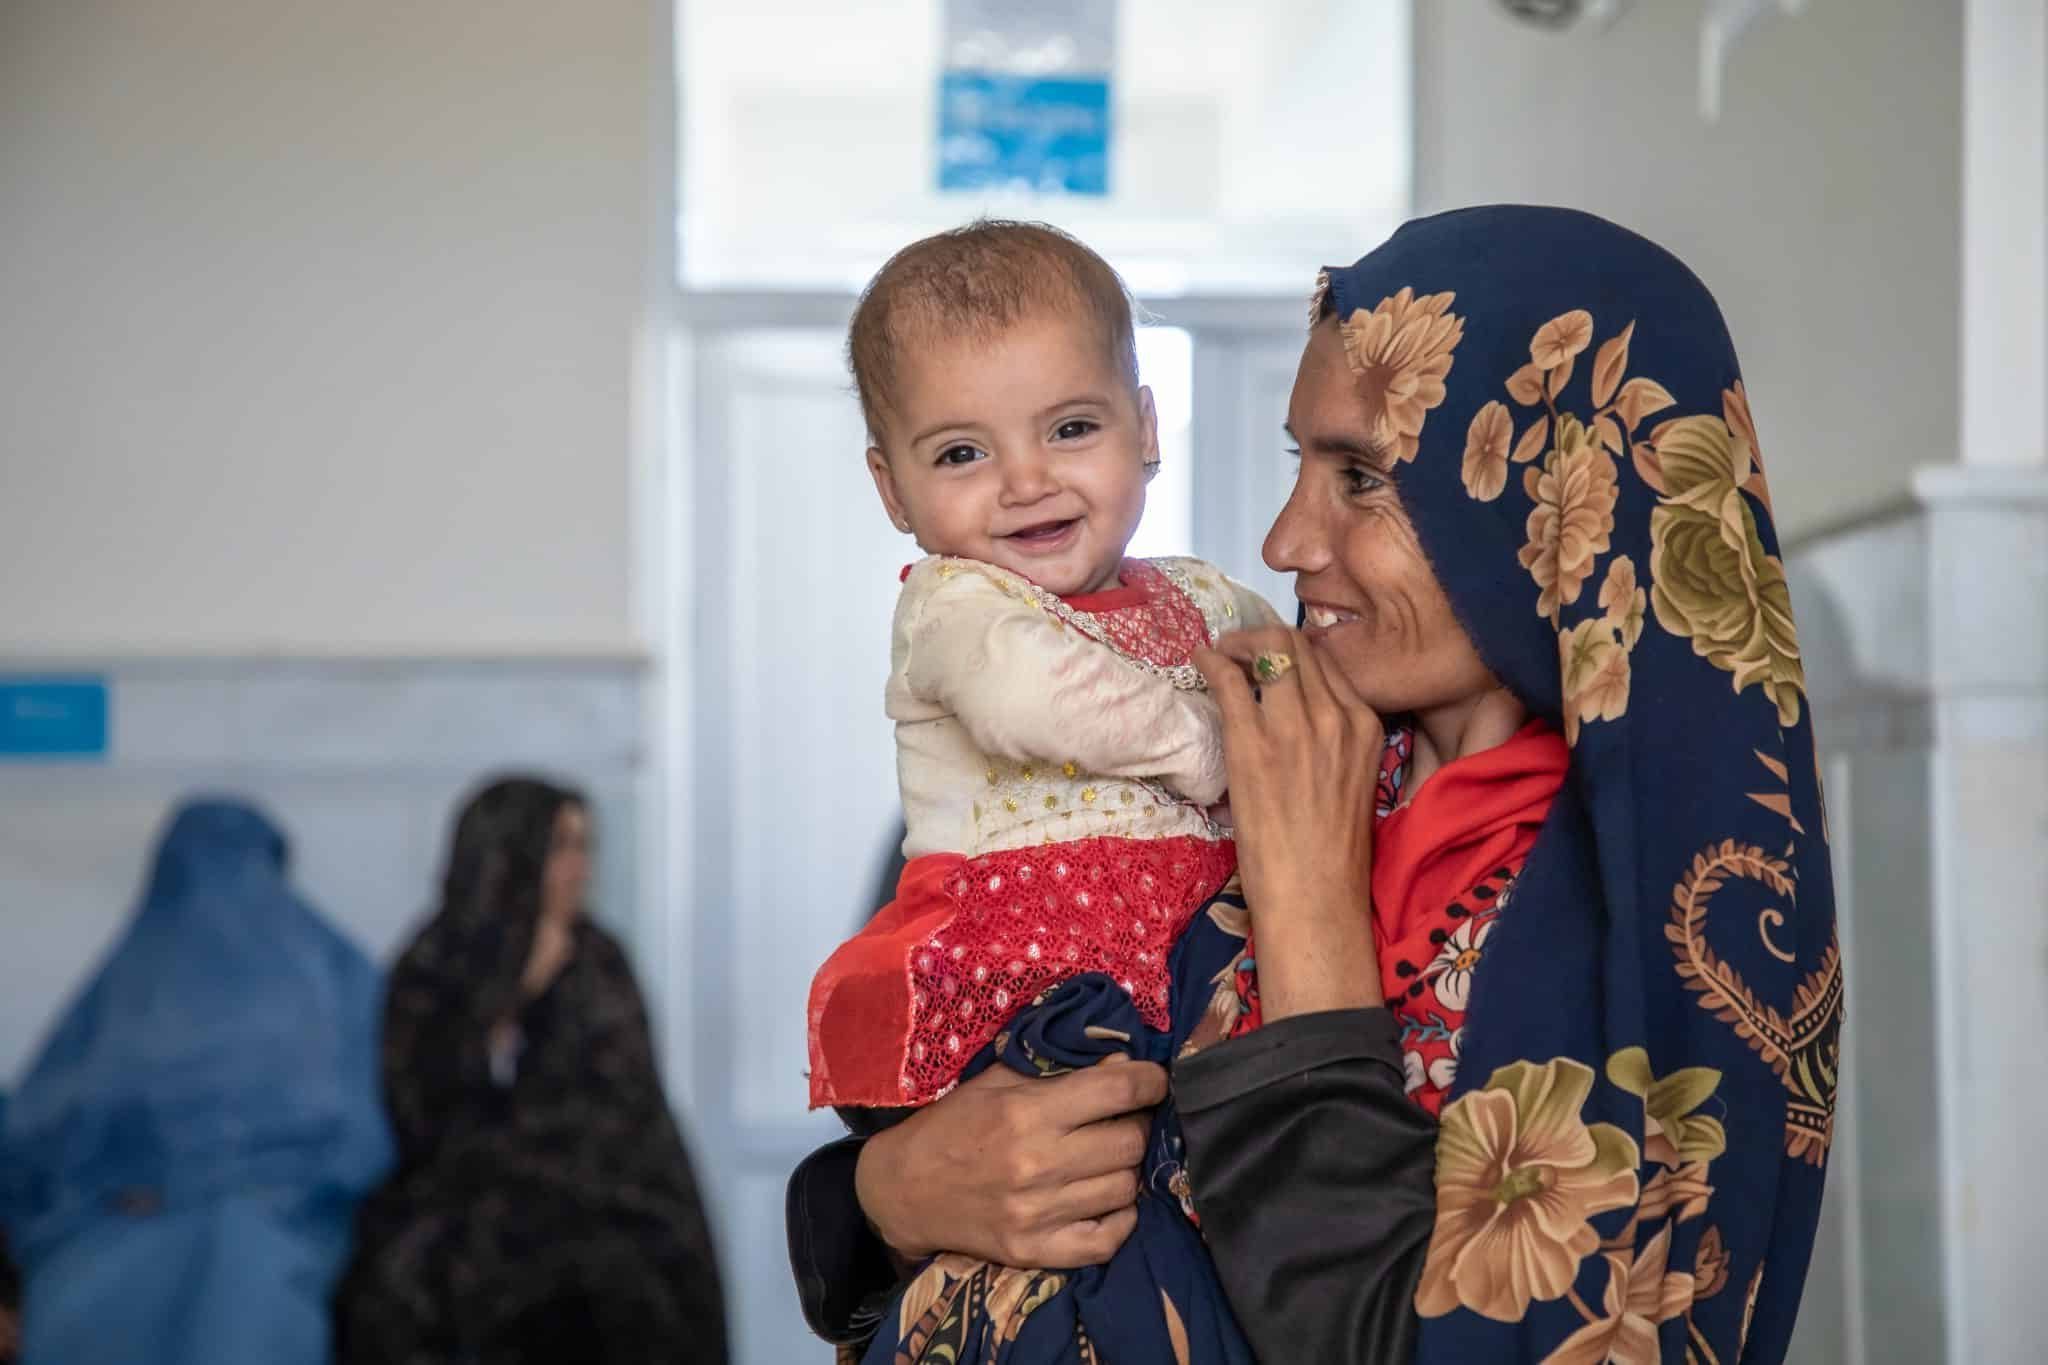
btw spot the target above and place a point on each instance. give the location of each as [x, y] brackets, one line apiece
[974, 282]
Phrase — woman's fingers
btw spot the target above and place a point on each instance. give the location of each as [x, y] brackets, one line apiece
[1076, 1103]
[1279, 693]
[1071, 1169]
[1341, 688]
[1246, 645]
[1338, 715]
[1309, 701]
[1102, 1148]
[1323, 680]
[1315, 685]
[1074, 1245]
[1097, 1197]
[1089, 1242]
[1232, 693]
[998, 1168]
[1074, 1194]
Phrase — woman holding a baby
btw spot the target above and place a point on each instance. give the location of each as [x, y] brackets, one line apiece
[1508, 1030]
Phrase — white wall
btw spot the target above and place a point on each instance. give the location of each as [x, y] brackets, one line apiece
[1823, 209]
[317, 323]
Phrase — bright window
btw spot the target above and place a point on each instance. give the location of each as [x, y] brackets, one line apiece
[1246, 139]
[1166, 362]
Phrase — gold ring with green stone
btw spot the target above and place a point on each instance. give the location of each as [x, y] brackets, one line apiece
[1271, 666]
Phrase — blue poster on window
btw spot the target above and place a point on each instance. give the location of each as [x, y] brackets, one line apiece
[1024, 101]
[1014, 132]
[53, 718]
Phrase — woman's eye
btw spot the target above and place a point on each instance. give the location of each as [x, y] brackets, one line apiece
[959, 455]
[1358, 479]
[1077, 428]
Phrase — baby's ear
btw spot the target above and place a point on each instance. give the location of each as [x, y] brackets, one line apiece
[885, 484]
[1148, 423]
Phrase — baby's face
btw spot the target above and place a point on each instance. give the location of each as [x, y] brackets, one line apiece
[1028, 451]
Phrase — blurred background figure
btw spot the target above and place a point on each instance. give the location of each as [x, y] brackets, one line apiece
[183, 1159]
[544, 1208]
[10, 1284]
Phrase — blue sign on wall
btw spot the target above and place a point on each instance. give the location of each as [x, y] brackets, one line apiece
[1024, 95]
[53, 718]
[1036, 134]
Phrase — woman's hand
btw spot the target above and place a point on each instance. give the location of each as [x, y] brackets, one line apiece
[1022, 1172]
[1304, 764]
[554, 942]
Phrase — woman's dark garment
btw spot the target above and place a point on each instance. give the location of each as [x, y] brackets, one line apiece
[544, 1207]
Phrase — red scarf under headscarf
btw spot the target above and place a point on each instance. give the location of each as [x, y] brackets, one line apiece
[1440, 864]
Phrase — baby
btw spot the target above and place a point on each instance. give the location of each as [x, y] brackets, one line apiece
[1057, 754]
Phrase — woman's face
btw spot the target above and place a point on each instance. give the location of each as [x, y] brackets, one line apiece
[565, 881]
[1374, 609]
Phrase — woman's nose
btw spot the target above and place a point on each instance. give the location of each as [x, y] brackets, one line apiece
[1299, 541]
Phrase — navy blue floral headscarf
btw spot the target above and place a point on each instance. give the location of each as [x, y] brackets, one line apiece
[1630, 1166]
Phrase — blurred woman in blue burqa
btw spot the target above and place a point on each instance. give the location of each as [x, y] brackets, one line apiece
[183, 1160]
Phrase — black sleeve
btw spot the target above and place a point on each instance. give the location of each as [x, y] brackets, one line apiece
[436, 1056]
[10, 1298]
[1314, 1174]
[845, 1276]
